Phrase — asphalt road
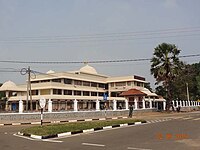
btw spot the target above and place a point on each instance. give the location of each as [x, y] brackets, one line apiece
[180, 133]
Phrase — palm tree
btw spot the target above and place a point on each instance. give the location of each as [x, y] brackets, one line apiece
[165, 67]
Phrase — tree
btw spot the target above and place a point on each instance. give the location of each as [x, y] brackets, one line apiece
[165, 66]
[160, 90]
[148, 86]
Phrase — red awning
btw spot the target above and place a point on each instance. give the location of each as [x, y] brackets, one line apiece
[133, 92]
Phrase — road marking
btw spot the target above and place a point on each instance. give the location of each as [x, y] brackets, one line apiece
[91, 144]
[54, 141]
[187, 118]
[44, 140]
[138, 148]
[197, 119]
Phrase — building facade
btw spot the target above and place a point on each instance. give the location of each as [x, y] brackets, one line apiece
[84, 89]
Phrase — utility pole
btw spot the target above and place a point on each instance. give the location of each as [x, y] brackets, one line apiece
[29, 80]
[188, 97]
[29, 93]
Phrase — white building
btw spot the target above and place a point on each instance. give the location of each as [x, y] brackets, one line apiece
[84, 89]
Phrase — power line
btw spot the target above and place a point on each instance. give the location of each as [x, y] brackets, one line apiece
[91, 62]
[165, 33]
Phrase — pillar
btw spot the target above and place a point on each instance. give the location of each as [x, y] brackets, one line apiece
[177, 103]
[188, 103]
[7, 95]
[126, 104]
[136, 104]
[150, 103]
[143, 103]
[75, 105]
[114, 104]
[49, 105]
[97, 105]
[20, 106]
[181, 104]
[164, 105]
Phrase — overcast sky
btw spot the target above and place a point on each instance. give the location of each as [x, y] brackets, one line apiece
[86, 30]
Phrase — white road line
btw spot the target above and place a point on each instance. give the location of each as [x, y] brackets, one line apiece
[197, 119]
[91, 144]
[186, 118]
[138, 148]
[44, 140]
[54, 141]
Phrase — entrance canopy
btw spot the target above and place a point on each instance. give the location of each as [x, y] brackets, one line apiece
[133, 92]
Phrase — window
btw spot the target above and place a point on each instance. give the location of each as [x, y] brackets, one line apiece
[56, 80]
[77, 82]
[129, 83]
[77, 93]
[120, 83]
[57, 91]
[32, 82]
[93, 93]
[86, 93]
[113, 94]
[112, 84]
[101, 85]
[45, 92]
[45, 81]
[100, 93]
[135, 83]
[68, 81]
[139, 84]
[67, 92]
[34, 92]
[85, 83]
[93, 84]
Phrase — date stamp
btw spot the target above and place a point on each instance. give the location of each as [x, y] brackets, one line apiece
[170, 136]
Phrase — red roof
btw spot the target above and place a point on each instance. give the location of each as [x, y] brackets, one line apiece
[133, 92]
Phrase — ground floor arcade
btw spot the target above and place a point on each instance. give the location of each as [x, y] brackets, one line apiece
[53, 105]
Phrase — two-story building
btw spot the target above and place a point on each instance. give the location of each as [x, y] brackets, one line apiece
[84, 89]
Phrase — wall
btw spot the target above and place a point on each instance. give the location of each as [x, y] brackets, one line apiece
[58, 116]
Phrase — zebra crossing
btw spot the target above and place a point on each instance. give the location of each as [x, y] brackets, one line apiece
[159, 120]
[189, 118]
[182, 118]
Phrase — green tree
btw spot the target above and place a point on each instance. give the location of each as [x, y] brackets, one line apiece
[160, 90]
[190, 75]
[148, 86]
[198, 87]
[165, 66]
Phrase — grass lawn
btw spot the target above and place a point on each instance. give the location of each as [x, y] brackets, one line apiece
[46, 130]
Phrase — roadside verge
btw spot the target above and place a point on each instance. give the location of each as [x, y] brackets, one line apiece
[54, 131]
